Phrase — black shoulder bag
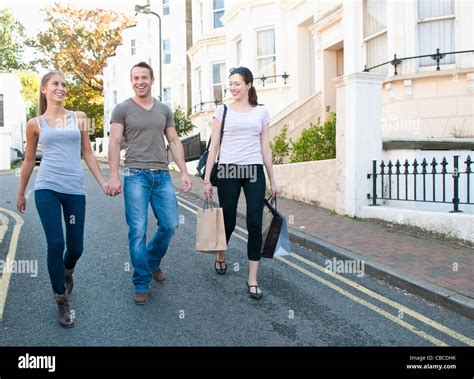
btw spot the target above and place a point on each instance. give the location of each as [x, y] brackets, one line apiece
[201, 167]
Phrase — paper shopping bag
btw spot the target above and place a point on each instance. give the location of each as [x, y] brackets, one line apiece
[210, 231]
[283, 244]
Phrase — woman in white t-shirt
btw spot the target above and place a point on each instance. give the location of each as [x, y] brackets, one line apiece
[244, 150]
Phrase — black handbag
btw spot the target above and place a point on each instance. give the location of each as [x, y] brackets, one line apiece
[201, 166]
[271, 229]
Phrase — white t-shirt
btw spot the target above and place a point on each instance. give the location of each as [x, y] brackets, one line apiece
[241, 140]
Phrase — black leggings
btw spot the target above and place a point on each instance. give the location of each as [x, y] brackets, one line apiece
[228, 190]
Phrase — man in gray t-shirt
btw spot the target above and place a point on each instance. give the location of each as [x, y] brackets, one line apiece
[144, 133]
[144, 122]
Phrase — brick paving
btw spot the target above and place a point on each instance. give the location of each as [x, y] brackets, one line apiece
[403, 249]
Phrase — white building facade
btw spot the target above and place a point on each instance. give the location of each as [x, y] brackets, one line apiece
[321, 53]
[418, 112]
[12, 118]
[141, 43]
[272, 38]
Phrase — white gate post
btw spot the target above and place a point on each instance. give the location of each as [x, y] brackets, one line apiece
[358, 137]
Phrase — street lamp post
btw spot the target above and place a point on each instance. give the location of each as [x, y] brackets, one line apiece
[145, 9]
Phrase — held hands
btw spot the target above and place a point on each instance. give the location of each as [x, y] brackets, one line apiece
[105, 187]
[113, 187]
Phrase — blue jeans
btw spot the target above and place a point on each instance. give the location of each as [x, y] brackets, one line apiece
[49, 204]
[141, 187]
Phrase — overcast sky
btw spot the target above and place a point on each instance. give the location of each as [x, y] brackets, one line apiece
[28, 11]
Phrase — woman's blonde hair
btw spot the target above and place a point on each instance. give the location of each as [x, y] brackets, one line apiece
[43, 102]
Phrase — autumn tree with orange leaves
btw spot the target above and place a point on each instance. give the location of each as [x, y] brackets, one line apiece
[78, 42]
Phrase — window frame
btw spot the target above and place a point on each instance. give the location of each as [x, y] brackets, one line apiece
[201, 17]
[270, 81]
[221, 84]
[373, 36]
[214, 11]
[426, 20]
[238, 51]
[167, 90]
[166, 52]
[166, 5]
[198, 93]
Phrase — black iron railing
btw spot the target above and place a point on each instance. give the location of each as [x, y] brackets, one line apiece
[263, 78]
[436, 57]
[206, 106]
[211, 105]
[424, 182]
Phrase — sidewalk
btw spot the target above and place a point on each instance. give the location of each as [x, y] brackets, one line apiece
[400, 255]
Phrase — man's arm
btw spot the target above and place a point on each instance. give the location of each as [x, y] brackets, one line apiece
[115, 137]
[177, 152]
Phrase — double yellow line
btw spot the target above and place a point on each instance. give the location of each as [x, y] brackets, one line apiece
[397, 306]
[6, 276]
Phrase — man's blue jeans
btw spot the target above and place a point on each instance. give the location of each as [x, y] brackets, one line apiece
[141, 187]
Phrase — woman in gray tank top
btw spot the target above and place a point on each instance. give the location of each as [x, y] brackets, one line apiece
[59, 185]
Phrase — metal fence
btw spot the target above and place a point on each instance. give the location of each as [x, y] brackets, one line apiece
[433, 182]
[206, 106]
[437, 57]
[212, 105]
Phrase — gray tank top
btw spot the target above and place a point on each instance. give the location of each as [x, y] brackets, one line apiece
[61, 168]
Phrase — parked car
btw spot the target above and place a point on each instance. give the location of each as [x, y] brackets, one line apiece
[15, 155]
[39, 154]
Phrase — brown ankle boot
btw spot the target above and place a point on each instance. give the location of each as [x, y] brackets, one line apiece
[69, 283]
[65, 319]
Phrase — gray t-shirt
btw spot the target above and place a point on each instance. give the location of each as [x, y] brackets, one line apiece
[144, 133]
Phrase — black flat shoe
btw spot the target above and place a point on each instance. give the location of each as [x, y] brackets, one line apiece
[222, 267]
[255, 295]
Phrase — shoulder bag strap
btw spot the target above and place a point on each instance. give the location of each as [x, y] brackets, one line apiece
[223, 122]
[222, 128]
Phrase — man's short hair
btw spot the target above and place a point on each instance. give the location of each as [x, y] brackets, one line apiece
[144, 65]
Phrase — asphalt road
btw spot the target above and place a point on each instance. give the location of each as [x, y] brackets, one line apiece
[302, 304]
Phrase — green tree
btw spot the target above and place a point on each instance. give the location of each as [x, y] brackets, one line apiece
[280, 148]
[12, 37]
[316, 142]
[182, 122]
[79, 41]
[30, 84]
[86, 100]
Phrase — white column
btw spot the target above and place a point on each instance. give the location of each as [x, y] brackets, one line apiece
[358, 137]
[353, 36]
[318, 60]
[407, 32]
[464, 30]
